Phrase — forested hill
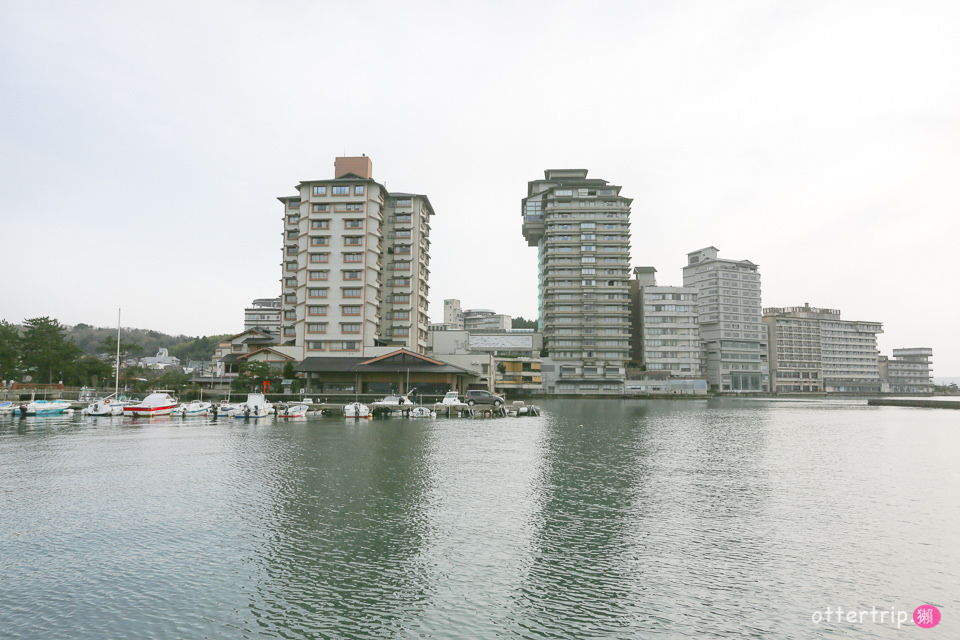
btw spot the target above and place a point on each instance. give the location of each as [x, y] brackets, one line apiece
[142, 342]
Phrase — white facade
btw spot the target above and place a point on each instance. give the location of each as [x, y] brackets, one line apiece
[263, 313]
[486, 320]
[814, 350]
[581, 228]
[666, 334]
[729, 317]
[355, 265]
[908, 371]
[452, 314]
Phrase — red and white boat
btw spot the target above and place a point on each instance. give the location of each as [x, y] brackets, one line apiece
[159, 403]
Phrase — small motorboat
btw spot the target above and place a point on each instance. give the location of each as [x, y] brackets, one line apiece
[108, 406]
[356, 410]
[393, 404]
[44, 408]
[194, 408]
[298, 410]
[422, 412]
[158, 403]
[256, 406]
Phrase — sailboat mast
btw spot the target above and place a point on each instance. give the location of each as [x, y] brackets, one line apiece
[116, 383]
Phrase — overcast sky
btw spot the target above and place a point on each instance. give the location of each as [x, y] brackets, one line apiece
[145, 144]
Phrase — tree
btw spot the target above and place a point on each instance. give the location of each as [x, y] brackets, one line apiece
[46, 351]
[252, 375]
[9, 351]
[109, 345]
[89, 370]
[520, 323]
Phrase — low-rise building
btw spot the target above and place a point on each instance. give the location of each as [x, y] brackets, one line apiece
[263, 313]
[908, 371]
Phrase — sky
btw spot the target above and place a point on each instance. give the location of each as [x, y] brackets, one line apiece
[144, 146]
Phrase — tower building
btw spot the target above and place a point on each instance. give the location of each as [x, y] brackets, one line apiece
[581, 228]
[355, 268]
[730, 321]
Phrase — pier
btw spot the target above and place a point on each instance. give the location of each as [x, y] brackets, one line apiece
[913, 402]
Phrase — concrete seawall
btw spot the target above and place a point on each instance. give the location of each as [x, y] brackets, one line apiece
[905, 402]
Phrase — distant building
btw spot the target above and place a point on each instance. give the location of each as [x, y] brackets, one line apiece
[666, 338]
[908, 371]
[506, 361]
[162, 360]
[814, 350]
[486, 320]
[452, 314]
[581, 228]
[263, 313]
[729, 318]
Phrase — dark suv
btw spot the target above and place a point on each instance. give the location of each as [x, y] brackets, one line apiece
[478, 396]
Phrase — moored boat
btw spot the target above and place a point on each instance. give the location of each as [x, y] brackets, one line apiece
[159, 403]
[256, 406]
[44, 408]
[109, 406]
[356, 410]
[194, 408]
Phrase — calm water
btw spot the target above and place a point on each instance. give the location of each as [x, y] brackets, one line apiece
[600, 519]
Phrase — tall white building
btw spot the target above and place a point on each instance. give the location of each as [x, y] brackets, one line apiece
[581, 228]
[729, 317]
[452, 313]
[355, 265]
[666, 338]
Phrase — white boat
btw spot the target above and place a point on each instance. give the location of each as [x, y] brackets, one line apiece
[422, 412]
[519, 408]
[224, 409]
[108, 406]
[256, 406]
[195, 408]
[6, 407]
[298, 410]
[44, 408]
[159, 403]
[356, 410]
[393, 404]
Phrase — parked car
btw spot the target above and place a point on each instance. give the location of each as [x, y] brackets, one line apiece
[478, 396]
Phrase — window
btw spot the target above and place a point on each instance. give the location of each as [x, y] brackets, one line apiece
[319, 257]
[292, 234]
[341, 191]
[352, 292]
[293, 218]
[315, 345]
[350, 309]
[404, 218]
[319, 241]
[320, 224]
[353, 257]
[294, 204]
[403, 233]
[404, 202]
[401, 298]
[401, 315]
[319, 191]
[351, 275]
[290, 266]
[350, 327]
[316, 309]
[290, 298]
[291, 250]
[316, 327]
[358, 190]
[317, 275]
[402, 248]
[353, 240]
[401, 282]
[317, 292]
[354, 206]
[290, 282]
[353, 224]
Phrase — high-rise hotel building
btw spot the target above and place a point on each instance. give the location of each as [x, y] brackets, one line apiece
[581, 228]
[355, 265]
[730, 321]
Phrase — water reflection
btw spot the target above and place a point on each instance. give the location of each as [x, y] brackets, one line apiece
[343, 531]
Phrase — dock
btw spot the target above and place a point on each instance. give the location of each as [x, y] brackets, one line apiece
[913, 402]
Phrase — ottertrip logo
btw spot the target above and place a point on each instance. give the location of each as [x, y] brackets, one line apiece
[925, 616]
